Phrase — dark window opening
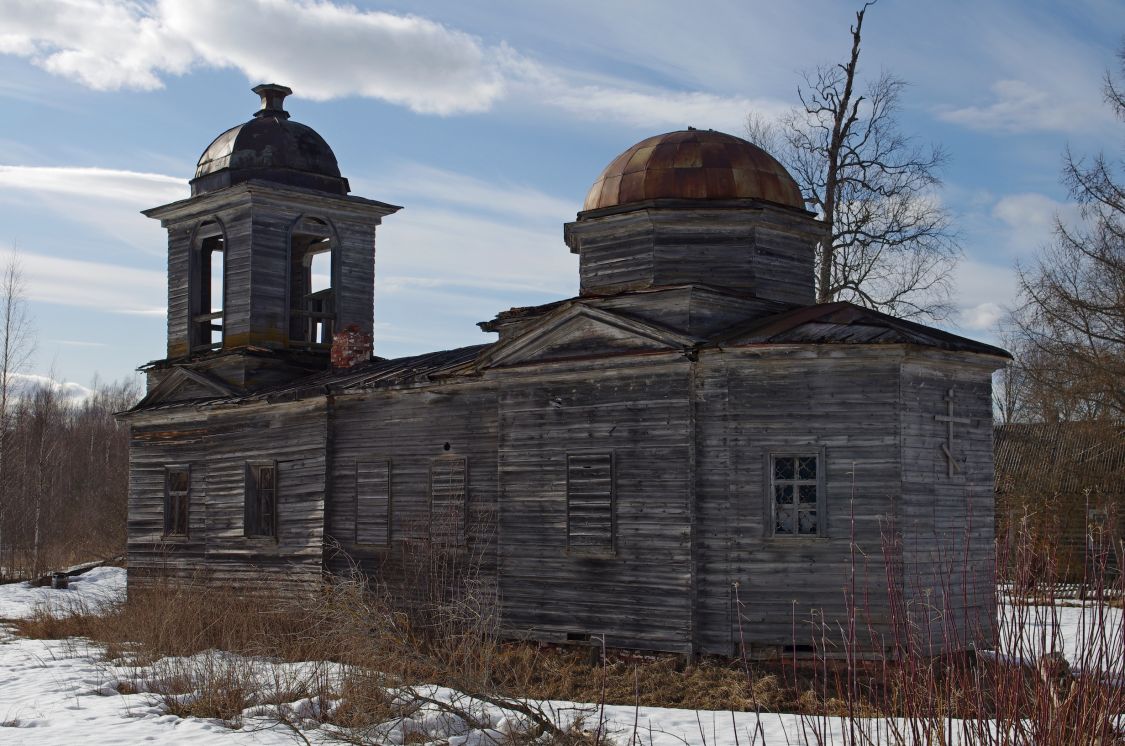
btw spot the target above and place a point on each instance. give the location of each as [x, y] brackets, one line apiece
[207, 288]
[796, 489]
[590, 519]
[373, 502]
[312, 296]
[448, 501]
[177, 486]
[261, 500]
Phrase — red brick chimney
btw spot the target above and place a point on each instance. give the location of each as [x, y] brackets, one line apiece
[350, 347]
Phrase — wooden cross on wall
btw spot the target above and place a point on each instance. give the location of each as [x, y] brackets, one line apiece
[949, 419]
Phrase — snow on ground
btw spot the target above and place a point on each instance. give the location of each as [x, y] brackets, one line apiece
[57, 692]
[62, 692]
[91, 590]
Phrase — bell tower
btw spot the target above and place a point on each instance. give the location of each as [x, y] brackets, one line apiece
[269, 257]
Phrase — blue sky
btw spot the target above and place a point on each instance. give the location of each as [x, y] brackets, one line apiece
[489, 121]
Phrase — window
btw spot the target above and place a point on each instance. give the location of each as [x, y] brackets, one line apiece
[177, 485]
[261, 500]
[589, 503]
[447, 500]
[373, 502]
[206, 288]
[796, 494]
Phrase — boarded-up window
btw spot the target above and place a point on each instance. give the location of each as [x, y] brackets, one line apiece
[589, 503]
[261, 500]
[448, 500]
[373, 502]
[177, 485]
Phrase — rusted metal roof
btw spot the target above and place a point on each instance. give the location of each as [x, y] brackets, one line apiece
[697, 165]
[846, 323]
[269, 147]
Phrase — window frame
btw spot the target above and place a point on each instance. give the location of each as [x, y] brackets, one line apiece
[168, 533]
[770, 512]
[252, 522]
[460, 538]
[609, 550]
[388, 511]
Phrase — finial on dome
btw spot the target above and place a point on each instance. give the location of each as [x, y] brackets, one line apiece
[273, 99]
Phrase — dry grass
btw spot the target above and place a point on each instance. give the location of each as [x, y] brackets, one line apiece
[383, 646]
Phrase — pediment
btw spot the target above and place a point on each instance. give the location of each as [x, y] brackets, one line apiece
[184, 384]
[579, 331]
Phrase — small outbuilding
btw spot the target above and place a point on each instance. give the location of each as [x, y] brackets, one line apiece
[691, 455]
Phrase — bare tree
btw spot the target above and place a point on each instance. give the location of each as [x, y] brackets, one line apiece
[17, 344]
[888, 244]
[1070, 328]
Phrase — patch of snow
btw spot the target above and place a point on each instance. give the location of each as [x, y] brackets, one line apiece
[1090, 636]
[56, 692]
[93, 590]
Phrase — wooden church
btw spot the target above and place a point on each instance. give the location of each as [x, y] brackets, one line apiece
[690, 455]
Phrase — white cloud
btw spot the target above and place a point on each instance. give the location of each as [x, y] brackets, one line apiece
[983, 293]
[105, 199]
[983, 317]
[436, 185]
[105, 287]
[103, 44]
[662, 108]
[1028, 220]
[24, 384]
[322, 49]
[325, 50]
[1018, 106]
[132, 187]
[77, 343]
[472, 251]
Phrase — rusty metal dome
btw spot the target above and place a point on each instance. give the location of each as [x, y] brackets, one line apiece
[693, 164]
[269, 147]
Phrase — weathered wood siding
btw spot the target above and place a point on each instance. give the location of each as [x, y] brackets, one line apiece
[639, 594]
[217, 444]
[355, 273]
[171, 439]
[614, 255]
[764, 589]
[755, 248]
[410, 429]
[947, 523]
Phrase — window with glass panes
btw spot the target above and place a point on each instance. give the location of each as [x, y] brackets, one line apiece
[795, 481]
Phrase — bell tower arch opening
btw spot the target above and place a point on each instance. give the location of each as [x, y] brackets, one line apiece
[207, 287]
[312, 283]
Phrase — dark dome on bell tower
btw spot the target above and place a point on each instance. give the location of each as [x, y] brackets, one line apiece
[269, 147]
